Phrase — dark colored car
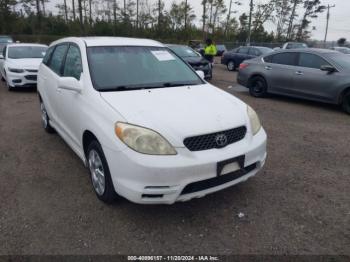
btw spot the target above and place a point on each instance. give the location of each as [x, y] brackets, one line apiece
[193, 58]
[314, 74]
[221, 49]
[232, 59]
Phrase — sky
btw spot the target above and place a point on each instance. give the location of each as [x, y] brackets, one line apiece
[339, 23]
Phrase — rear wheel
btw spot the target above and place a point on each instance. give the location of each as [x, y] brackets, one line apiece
[346, 102]
[231, 66]
[99, 171]
[257, 86]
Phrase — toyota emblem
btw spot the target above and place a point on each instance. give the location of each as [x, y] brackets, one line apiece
[221, 140]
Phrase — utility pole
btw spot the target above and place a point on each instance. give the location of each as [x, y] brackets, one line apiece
[250, 22]
[328, 16]
[185, 14]
[137, 14]
[228, 18]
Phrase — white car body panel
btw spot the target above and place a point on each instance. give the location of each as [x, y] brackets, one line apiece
[175, 113]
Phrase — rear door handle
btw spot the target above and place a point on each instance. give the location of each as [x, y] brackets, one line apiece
[299, 73]
[268, 67]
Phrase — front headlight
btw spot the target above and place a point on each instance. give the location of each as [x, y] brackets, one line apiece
[254, 120]
[16, 70]
[143, 140]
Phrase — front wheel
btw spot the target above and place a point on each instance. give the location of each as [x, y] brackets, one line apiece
[45, 120]
[231, 66]
[100, 175]
[346, 103]
[257, 87]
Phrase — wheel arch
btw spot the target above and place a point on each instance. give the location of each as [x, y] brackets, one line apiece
[87, 138]
[342, 94]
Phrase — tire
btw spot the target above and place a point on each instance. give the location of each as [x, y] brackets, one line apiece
[257, 87]
[346, 102]
[45, 120]
[231, 65]
[99, 173]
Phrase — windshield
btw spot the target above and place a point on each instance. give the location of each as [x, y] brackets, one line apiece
[123, 68]
[19, 52]
[184, 51]
[5, 39]
[296, 45]
[341, 60]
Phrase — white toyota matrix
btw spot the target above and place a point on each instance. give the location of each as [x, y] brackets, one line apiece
[148, 127]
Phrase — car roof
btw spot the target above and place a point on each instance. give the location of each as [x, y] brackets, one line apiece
[170, 45]
[306, 50]
[110, 41]
[24, 44]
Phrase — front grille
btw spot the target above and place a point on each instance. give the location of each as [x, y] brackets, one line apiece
[217, 181]
[209, 141]
[32, 70]
[31, 77]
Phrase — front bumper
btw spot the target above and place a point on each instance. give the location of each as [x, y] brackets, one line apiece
[26, 79]
[146, 179]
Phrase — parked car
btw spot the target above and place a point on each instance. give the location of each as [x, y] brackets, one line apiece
[4, 40]
[221, 49]
[146, 125]
[315, 74]
[232, 59]
[20, 64]
[342, 49]
[294, 45]
[197, 45]
[195, 59]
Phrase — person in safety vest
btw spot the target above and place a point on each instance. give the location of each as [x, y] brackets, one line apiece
[210, 51]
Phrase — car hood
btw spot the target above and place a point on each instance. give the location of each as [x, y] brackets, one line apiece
[195, 60]
[179, 112]
[28, 63]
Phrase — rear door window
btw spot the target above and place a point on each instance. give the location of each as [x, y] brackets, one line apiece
[284, 59]
[254, 52]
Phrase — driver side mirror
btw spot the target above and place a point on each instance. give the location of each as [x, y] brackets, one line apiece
[70, 83]
[1, 56]
[328, 68]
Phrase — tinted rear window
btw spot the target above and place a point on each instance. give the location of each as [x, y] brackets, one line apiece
[283, 59]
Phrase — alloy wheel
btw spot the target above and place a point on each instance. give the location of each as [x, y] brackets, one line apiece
[97, 172]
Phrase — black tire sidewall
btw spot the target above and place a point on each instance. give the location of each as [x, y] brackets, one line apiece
[251, 87]
[49, 129]
[109, 195]
[346, 103]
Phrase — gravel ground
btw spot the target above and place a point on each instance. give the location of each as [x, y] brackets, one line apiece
[299, 203]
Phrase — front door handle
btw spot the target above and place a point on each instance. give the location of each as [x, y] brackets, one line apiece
[299, 73]
[268, 67]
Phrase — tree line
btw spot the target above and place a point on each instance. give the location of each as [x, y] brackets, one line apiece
[219, 19]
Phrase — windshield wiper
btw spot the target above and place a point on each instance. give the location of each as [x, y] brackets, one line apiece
[140, 87]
